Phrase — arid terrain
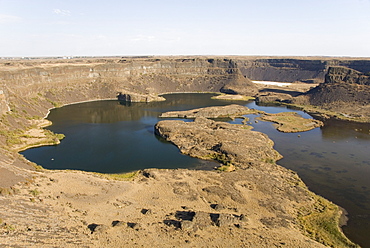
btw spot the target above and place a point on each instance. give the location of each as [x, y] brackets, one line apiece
[256, 204]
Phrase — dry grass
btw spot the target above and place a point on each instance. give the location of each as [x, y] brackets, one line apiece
[321, 223]
[20, 140]
[122, 176]
[291, 122]
[233, 97]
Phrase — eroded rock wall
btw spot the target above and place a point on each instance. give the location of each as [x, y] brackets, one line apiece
[36, 87]
[345, 91]
[310, 70]
[342, 85]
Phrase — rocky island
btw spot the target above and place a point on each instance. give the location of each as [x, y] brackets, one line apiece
[258, 203]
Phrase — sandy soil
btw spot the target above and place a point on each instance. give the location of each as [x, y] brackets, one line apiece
[79, 209]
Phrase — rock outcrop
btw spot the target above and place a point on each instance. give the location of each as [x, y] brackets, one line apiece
[342, 85]
[224, 142]
[304, 69]
[274, 98]
[228, 111]
[34, 87]
[133, 97]
[344, 91]
[292, 122]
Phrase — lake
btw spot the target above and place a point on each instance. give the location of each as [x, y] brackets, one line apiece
[116, 137]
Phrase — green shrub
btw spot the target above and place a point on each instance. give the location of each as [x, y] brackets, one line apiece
[321, 223]
[34, 192]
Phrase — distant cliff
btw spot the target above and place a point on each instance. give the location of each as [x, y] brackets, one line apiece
[30, 88]
[36, 86]
[310, 70]
[342, 85]
[345, 91]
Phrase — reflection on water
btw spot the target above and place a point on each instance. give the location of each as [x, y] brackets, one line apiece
[112, 137]
[115, 137]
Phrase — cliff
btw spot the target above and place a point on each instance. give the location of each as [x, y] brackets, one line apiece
[345, 90]
[304, 69]
[37, 86]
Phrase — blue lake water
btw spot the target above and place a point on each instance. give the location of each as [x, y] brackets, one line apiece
[115, 137]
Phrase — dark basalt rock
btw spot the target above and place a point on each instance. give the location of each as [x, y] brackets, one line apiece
[342, 85]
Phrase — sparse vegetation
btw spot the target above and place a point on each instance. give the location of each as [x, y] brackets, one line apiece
[6, 227]
[219, 157]
[233, 97]
[5, 191]
[123, 176]
[269, 160]
[55, 104]
[226, 168]
[34, 192]
[12, 136]
[321, 223]
[291, 122]
[20, 139]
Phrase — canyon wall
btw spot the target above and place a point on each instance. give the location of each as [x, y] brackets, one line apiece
[344, 91]
[34, 87]
[31, 87]
[310, 70]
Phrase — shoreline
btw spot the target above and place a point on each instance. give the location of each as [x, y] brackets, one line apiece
[95, 100]
[49, 171]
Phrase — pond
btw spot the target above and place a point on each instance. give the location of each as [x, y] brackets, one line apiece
[116, 137]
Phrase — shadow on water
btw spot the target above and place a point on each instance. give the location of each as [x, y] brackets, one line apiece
[115, 137]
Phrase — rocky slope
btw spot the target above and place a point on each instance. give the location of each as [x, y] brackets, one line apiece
[342, 85]
[304, 69]
[159, 208]
[46, 83]
[345, 91]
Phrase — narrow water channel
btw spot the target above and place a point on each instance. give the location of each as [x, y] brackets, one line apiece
[115, 137]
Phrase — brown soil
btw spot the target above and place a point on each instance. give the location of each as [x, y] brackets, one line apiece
[65, 208]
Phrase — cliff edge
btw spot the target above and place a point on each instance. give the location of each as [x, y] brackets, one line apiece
[345, 91]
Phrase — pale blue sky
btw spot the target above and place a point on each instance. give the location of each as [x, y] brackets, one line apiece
[184, 27]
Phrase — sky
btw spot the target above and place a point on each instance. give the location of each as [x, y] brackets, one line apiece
[31, 28]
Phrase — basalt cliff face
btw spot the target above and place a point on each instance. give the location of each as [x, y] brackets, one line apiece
[345, 91]
[309, 70]
[342, 85]
[37, 86]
